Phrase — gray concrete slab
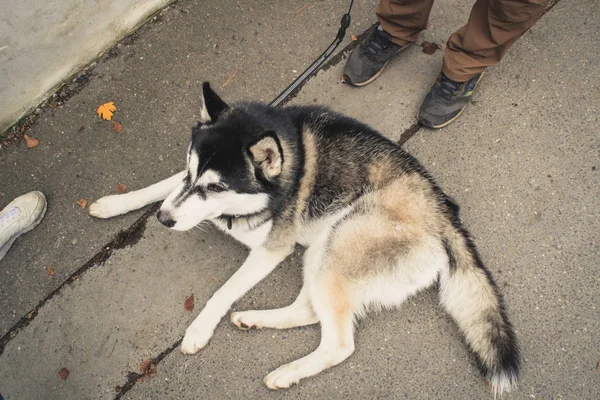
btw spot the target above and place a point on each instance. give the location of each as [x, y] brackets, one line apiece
[525, 175]
[154, 79]
[45, 42]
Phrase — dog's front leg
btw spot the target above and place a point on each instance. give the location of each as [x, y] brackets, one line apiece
[259, 264]
[110, 206]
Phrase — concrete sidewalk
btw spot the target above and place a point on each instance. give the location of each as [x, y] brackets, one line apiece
[522, 161]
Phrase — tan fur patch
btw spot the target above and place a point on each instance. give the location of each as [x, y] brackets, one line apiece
[337, 292]
[307, 183]
[410, 200]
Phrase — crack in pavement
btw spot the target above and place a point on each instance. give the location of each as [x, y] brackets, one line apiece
[124, 238]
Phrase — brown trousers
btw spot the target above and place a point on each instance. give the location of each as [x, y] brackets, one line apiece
[494, 25]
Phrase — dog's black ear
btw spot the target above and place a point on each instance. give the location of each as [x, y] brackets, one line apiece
[212, 105]
[267, 155]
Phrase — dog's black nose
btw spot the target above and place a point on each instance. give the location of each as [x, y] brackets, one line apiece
[165, 219]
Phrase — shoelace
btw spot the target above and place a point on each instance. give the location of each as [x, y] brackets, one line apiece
[8, 216]
[376, 44]
[448, 87]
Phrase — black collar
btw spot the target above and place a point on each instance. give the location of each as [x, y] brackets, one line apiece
[253, 220]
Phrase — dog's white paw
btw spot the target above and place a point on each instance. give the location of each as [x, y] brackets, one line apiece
[246, 320]
[108, 206]
[195, 339]
[283, 377]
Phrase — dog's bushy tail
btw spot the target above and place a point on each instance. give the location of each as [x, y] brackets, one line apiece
[469, 294]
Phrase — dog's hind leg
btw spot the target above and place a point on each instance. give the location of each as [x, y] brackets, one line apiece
[110, 206]
[299, 313]
[331, 300]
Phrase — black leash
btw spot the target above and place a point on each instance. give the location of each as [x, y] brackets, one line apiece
[344, 23]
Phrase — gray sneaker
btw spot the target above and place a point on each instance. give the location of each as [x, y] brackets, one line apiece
[20, 216]
[446, 100]
[368, 60]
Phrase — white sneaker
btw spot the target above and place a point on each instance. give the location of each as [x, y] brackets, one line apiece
[20, 216]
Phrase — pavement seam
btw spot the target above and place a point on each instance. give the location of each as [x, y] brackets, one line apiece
[124, 238]
[134, 377]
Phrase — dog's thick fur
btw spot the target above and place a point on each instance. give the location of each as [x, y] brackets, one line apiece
[376, 228]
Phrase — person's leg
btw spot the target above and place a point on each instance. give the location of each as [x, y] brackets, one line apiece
[493, 26]
[400, 22]
[404, 19]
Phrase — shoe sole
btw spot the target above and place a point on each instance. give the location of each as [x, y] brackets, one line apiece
[4, 249]
[365, 83]
[460, 112]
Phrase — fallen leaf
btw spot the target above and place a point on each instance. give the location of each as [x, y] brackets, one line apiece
[117, 388]
[147, 369]
[353, 37]
[106, 110]
[50, 271]
[121, 188]
[63, 373]
[430, 48]
[117, 126]
[82, 203]
[145, 366]
[188, 304]
[30, 314]
[31, 142]
[229, 79]
[74, 277]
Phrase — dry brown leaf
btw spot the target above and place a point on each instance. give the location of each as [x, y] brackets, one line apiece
[31, 142]
[63, 373]
[121, 188]
[50, 271]
[152, 371]
[82, 203]
[106, 110]
[30, 314]
[188, 304]
[145, 366]
[117, 126]
[354, 38]
[430, 48]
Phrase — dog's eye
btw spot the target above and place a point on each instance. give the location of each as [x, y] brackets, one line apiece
[213, 187]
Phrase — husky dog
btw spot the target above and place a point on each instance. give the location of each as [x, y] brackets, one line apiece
[375, 225]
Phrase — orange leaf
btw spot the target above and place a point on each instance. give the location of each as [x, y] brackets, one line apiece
[50, 271]
[64, 374]
[31, 142]
[82, 203]
[117, 126]
[354, 38]
[105, 111]
[121, 188]
[188, 305]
